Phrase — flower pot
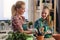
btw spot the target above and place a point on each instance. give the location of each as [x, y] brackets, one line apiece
[56, 36]
[40, 37]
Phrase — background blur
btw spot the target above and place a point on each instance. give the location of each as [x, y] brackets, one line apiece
[5, 9]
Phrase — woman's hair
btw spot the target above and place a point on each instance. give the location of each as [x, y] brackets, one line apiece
[48, 17]
[17, 6]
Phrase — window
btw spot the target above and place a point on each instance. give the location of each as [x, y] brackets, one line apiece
[5, 9]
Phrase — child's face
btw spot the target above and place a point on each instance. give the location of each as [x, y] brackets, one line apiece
[45, 13]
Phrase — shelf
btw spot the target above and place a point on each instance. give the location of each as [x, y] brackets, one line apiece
[52, 10]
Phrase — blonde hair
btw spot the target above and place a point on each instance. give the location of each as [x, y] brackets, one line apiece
[48, 17]
[17, 6]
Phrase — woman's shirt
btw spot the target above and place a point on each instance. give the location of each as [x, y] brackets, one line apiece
[42, 23]
[17, 22]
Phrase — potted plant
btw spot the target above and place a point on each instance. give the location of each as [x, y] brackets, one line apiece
[40, 34]
[9, 22]
[30, 24]
[18, 36]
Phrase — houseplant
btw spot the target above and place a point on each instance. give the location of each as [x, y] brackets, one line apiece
[18, 36]
[9, 22]
[40, 34]
[30, 24]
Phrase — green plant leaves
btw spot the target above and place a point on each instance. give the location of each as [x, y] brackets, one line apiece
[17, 36]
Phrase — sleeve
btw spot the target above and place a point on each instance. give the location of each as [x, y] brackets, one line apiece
[17, 23]
[49, 29]
[36, 24]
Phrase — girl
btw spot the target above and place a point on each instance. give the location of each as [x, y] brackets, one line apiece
[44, 23]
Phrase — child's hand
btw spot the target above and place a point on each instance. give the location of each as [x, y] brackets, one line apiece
[49, 32]
[42, 30]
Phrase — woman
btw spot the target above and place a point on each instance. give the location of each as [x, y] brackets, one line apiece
[17, 19]
[43, 23]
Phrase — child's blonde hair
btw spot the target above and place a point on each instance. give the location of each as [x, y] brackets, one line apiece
[48, 17]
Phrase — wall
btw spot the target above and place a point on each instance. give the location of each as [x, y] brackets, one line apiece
[30, 10]
[1, 9]
[58, 17]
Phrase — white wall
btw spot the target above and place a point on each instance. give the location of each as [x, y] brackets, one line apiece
[1, 9]
[5, 8]
[30, 10]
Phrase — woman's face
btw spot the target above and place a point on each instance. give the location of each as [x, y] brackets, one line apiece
[45, 13]
[21, 10]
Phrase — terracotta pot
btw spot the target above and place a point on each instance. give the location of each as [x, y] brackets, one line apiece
[40, 37]
[56, 36]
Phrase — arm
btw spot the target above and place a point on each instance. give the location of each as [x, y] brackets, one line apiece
[36, 24]
[49, 30]
[18, 25]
